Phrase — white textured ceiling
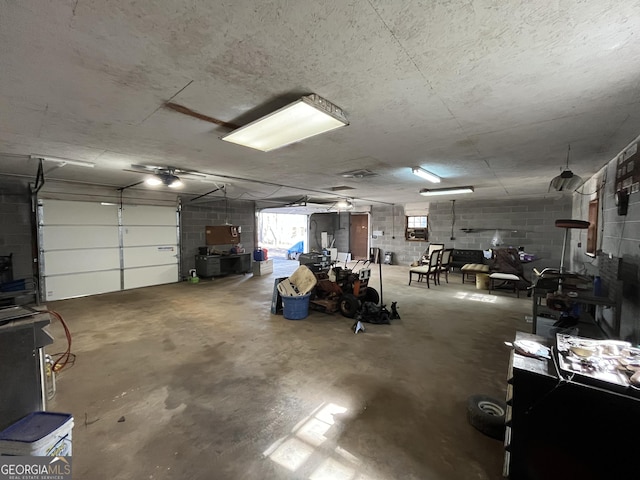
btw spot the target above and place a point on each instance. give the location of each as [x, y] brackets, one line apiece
[483, 92]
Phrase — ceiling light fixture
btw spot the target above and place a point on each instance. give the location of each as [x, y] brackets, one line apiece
[63, 161]
[304, 118]
[445, 191]
[422, 173]
[175, 182]
[168, 179]
[344, 204]
[566, 181]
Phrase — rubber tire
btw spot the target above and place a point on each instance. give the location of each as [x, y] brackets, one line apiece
[349, 305]
[487, 415]
[371, 295]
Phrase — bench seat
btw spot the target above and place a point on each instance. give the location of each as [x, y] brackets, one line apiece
[508, 278]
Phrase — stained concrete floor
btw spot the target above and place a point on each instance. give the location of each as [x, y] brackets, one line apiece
[212, 386]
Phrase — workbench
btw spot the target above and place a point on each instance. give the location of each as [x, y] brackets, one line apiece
[561, 426]
[217, 265]
[588, 324]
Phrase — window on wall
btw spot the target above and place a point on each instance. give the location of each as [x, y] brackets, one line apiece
[592, 231]
[416, 228]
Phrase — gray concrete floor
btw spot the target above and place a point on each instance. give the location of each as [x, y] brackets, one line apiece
[212, 386]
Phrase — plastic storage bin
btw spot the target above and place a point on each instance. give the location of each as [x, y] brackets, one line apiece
[296, 307]
[260, 254]
[39, 434]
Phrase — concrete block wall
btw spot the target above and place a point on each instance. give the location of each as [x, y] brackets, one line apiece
[335, 224]
[342, 232]
[618, 244]
[194, 219]
[16, 225]
[318, 223]
[391, 221]
[526, 223]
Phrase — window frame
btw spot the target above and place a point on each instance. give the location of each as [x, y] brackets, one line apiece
[417, 231]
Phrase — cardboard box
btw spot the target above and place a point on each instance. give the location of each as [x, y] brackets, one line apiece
[263, 268]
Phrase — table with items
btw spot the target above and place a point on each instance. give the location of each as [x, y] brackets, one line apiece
[573, 407]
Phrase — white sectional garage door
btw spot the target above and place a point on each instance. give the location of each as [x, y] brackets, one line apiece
[88, 248]
[150, 245]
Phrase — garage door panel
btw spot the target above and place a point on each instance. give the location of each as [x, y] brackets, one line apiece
[148, 215]
[152, 235]
[79, 261]
[88, 248]
[75, 285]
[147, 276]
[74, 237]
[149, 256]
[60, 212]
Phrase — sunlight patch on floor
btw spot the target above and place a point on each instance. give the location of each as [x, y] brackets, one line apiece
[310, 451]
[476, 297]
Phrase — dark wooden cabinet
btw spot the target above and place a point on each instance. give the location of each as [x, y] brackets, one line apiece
[561, 428]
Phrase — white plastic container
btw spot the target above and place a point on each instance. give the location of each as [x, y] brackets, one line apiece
[39, 434]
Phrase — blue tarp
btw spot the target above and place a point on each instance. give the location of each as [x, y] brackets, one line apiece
[297, 248]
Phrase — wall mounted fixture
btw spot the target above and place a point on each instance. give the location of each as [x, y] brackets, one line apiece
[422, 173]
[621, 199]
[304, 118]
[445, 191]
[63, 161]
[566, 181]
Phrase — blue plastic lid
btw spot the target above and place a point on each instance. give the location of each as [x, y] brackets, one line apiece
[34, 426]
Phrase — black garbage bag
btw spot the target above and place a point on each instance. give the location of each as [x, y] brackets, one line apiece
[372, 313]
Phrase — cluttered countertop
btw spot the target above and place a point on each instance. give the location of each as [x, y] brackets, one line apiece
[608, 364]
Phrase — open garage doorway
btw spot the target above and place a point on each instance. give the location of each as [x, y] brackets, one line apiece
[284, 235]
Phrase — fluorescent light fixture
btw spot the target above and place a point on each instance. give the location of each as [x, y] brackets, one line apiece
[422, 173]
[63, 161]
[106, 203]
[445, 191]
[304, 118]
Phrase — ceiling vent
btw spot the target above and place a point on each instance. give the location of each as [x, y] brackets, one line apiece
[340, 188]
[362, 173]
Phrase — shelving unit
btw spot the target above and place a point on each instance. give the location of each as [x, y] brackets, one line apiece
[588, 325]
[26, 294]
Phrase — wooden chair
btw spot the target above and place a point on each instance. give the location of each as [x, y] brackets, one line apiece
[430, 250]
[428, 270]
[444, 264]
